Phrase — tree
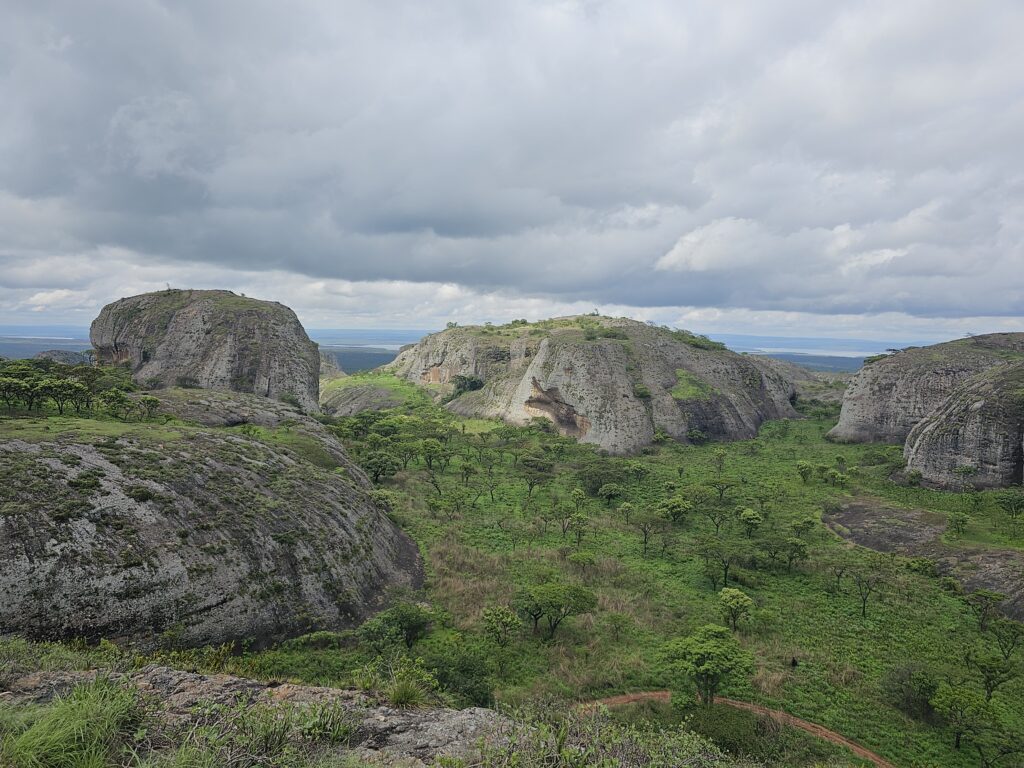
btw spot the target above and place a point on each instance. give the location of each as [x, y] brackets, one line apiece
[116, 403]
[868, 582]
[750, 519]
[722, 487]
[380, 464]
[149, 405]
[637, 470]
[1008, 636]
[765, 493]
[957, 520]
[805, 469]
[736, 606]
[994, 670]
[578, 524]
[578, 497]
[717, 515]
[609, 492]
[536, 470]
[626, 510]
[718, 458]
[708, 658]
[560, 601]
[647, 523]
[795, 551]
[962, 707]
[432, 451]
[675, 508]
[1011, 501]
[984, 604]
[499, 624]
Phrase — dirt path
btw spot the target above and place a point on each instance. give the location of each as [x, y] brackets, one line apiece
[783, 717]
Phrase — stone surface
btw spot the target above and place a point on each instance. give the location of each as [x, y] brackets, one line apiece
[889, 396]
[250, 522]
[210, 339]
[383, 736]
[610, 382]
[976, 436]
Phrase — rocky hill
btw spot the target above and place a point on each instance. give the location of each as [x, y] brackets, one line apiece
[611, 382]
[237, 519]
[210, 339]
[63, 356]
[976, 436]
[890, 395]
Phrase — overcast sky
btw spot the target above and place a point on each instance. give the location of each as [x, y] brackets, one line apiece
[802, 168]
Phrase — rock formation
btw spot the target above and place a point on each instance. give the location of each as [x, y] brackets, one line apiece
[611, 382]
[249, 522]
[890, 395]
[63, 356]
[210, 339]
[976, 436]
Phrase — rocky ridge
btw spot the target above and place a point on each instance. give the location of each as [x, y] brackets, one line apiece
[611, 382]
[211, 340]
[239, 519]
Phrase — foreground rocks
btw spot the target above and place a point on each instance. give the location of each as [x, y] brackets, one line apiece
[248, 521]
[210, 339]
[958, 407]
[382, 736]
[610, 382]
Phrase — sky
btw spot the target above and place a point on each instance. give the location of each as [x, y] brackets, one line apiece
[794, 168]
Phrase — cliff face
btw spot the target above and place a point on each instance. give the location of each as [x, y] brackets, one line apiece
[976, 436]
[611, 382]
[889, 396]
[212, 340]
[248, 522]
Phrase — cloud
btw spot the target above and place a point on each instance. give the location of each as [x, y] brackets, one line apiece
[834, 160]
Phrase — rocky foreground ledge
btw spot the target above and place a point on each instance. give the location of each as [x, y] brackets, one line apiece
[382, 735]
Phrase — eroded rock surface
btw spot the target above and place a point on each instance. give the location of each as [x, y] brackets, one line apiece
[610, 382]
[248, 522]
[210, 339]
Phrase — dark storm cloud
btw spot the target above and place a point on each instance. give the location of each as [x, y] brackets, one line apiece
[836, 158]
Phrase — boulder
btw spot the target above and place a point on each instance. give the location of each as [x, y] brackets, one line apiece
[212, 340]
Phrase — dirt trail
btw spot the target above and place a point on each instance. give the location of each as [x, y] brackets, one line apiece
[783, 717]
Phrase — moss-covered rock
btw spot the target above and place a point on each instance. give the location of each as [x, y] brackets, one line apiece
[239, 519]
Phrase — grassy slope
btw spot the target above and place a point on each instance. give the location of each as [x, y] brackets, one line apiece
[473, 562]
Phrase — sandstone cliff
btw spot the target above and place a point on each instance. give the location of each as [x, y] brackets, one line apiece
[611, 382]
[889, 396]
[210, 339]
[976, 435]
[240, 520]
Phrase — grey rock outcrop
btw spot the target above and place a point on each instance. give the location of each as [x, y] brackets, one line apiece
[610, 382]
[63, 356]
[889, 396]
[247, 522]
[212, 340]
[348, 401]
[976, 436]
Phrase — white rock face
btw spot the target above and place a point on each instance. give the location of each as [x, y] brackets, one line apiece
[212, 340]
[610, 382]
